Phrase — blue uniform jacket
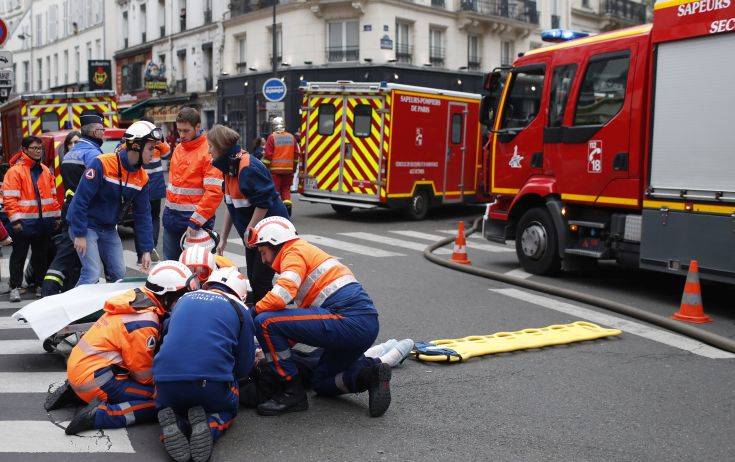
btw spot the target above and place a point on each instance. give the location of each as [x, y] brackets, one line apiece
[98, 203]
[204, 340]
[157, 183]
[85, 150]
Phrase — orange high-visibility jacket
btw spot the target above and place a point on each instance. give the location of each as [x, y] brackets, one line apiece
[281, 151]
[20, 200]
[125, 337]
[308, 276]
[195, 187]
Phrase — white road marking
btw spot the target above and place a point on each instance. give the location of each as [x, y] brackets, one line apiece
[349, 246]
[29, 382]
[10, 323]
[20, 347]
[436, 237]
[518, 273]
[453, 232]
[631, 327]
[394, 242]
[42, 436]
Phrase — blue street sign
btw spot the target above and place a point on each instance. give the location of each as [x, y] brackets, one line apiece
[274, 90]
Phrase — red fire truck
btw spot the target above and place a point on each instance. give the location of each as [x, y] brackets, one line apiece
[620, 146]
[369, 145]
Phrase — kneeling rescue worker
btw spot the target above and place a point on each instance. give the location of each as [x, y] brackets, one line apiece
[336, 314]
[207, 347]
[110, 367]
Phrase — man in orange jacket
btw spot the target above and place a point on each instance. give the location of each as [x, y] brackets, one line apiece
[111, 366]
[281, 158]
[195, 187]
[29, 193]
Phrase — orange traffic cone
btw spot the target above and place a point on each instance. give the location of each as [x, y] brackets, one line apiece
[459, 254]
[691, 309]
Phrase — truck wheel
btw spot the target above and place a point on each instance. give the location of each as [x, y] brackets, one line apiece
[419, 205]
[536, 243]
[342, 210]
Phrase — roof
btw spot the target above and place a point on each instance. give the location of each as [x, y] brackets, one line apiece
[627, 32]
[376, 87]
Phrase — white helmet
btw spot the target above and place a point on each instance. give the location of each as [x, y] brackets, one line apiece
[140, 132]
[231, 278]
[272, 230]
[170, 276]
[277, 123]
[199, 260]
[202, 238]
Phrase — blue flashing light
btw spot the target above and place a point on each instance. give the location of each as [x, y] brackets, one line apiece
[561, 35]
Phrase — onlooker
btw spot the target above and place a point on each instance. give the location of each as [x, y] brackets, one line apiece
[259, 147]
[71, 139]
[29, 194]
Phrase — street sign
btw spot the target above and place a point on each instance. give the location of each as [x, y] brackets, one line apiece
[277, 106]
[6, 59]
[274, 89]
[3, 31]
[7, 78]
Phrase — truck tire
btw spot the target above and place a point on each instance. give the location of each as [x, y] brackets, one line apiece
[537, 246]
[342, 210]
[419, 205]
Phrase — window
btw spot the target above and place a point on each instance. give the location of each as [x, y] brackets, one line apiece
[343, 39]
[363, 120]
[66, 18]
[457, 128]
[56, 69]
[242, 50]
[77, 63]
[48, 71]
[602, 92]
[39, 76]
[436, 47]
[125, 29]
[26, 76]
[326, 119]
[98, 49]
[561, 82]
[39, 30]
[143, 23]
[524, 98]
[506, 53]
[65, 65]
[132, 77]
[404, 51]
[279, 44]
[52, 22]
[89, 50]
[49, 122]
[473, 53]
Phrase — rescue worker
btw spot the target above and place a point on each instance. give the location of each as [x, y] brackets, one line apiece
[29, 193]
[63, 272]
[195, 187]
[207, 348]
[281, 157]
[202, 262]
[110, 186]
[250, 196]
[336, 314]
[110, 366]
[157, 182]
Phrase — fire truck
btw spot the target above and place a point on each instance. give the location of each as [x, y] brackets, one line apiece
[369, 145]
[34, 114]
[619, 146]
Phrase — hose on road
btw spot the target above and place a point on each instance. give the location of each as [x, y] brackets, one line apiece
[702, 335]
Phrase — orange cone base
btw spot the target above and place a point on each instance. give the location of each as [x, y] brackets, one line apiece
[692, 319]
[461, 259]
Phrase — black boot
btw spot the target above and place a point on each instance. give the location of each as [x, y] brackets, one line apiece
[291, 399]
[375, 380]
[62, 397]
[288, 209]
[174, 440]
[84, 420]
[200, 442]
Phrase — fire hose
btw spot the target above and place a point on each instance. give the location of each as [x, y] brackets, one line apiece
[702, 335]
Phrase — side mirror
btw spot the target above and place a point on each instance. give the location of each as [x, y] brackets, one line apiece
[488, 109]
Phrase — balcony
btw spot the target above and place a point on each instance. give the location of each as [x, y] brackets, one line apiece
[404, 53]
[626, 11]
[503, 9]
[436, 56]
[474, 63]
[143, 37]
[340, 54]
[240, 7]
[181, 86]
[438, 3]
[242, 67]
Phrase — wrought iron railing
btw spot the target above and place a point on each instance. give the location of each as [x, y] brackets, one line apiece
[626, 10]
[337, 54]
[519, 11]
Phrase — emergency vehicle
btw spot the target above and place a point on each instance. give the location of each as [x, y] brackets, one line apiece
[37, 113]
[369, 145]
[620, 146]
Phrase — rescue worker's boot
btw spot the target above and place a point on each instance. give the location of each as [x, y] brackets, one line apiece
[200, 441]
[292, 398]
[84, 420]
[376, 380]
[288, 208]
[174, 440]
[62, 397]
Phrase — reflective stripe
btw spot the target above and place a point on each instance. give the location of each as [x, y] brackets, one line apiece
[154, 170]
[237, 203]
[96, 382]
[282, 293]
[11, 193]
[51, 214]
[339, 381]
[212, 181]
[32, 202]
[181, 207]
[285, 354]
[142, 316]
[32, 216]
[198, 218]
[315, 274]
[56, 272]
[333, 287]
[116, 181]
[185, 191]
[292, 276]
[89, 350]
[73, 161]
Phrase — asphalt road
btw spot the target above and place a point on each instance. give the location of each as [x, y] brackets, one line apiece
[644, 395]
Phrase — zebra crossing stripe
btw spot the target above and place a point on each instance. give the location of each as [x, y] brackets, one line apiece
[10, 323]
[29, 382]
[43, 436]
[436, 237]
[349, 246]
[393, 242]
[20, 347]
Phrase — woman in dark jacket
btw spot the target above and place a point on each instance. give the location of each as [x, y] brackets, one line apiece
[259, 147]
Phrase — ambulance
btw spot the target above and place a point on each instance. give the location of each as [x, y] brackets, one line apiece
[619, 146]
[370, 145]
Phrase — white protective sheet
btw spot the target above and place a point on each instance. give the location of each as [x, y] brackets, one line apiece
[51, 314]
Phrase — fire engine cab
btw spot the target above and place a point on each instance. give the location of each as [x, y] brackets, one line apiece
[619, 146]
[370, 145]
